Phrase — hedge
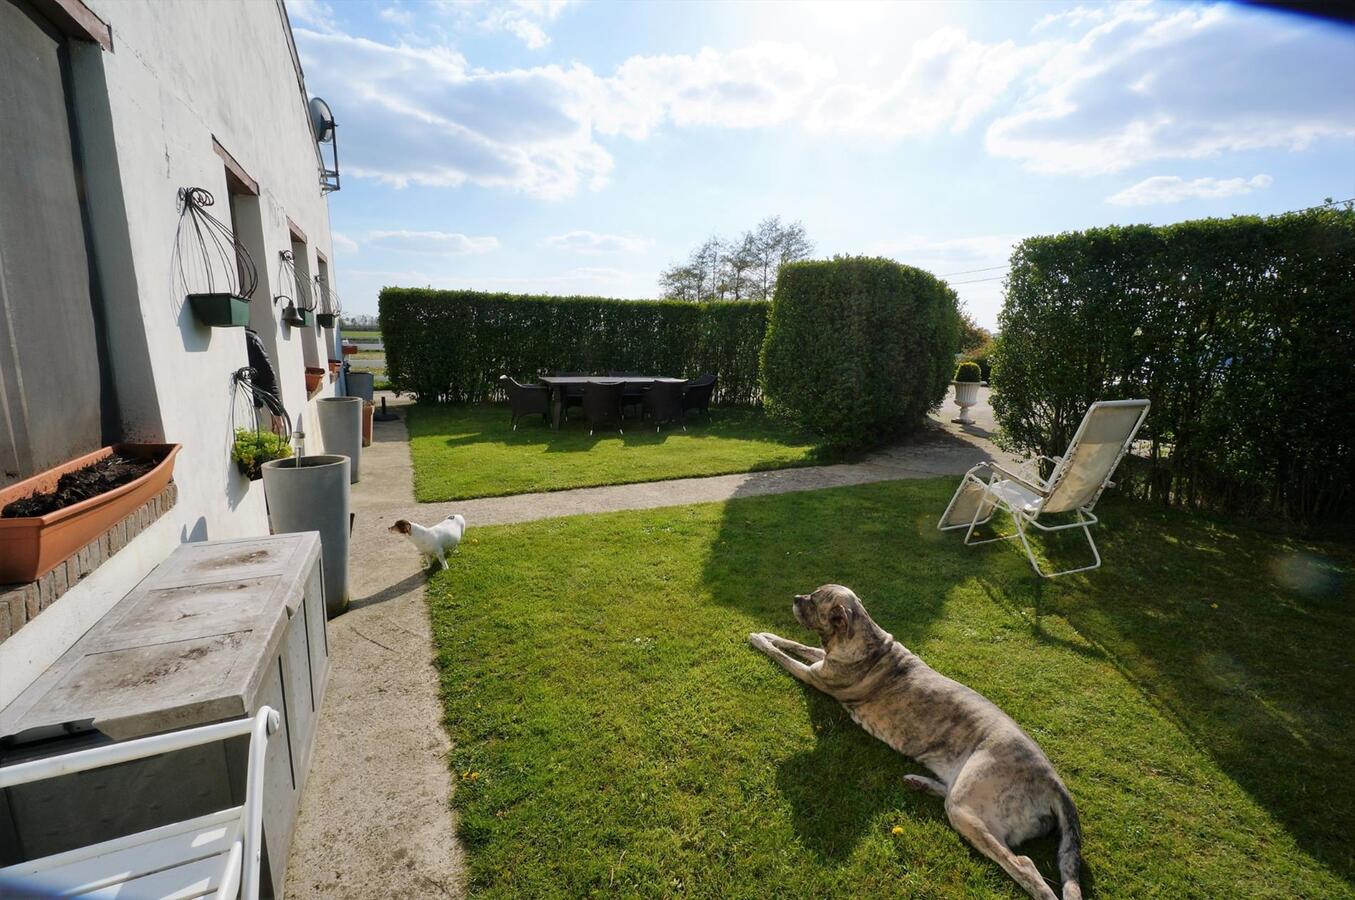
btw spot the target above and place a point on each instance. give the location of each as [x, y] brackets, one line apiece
[454, 345]
[858, 348]
[1240, 331]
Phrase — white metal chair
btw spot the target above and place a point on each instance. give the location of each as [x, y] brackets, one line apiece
[1074, 485]
[217, 855]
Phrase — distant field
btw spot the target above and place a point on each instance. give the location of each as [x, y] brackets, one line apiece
[362, 335]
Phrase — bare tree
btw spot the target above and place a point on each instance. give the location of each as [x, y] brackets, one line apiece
[740, 270]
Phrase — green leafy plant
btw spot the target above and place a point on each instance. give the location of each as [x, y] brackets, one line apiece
[452, 346]
[254, 448]
[1226, 325]
[858, 348]
[968, 372]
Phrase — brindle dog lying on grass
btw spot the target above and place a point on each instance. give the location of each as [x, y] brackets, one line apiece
[999, 787]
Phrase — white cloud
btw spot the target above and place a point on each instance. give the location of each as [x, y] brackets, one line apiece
[1156, 82]
[342, 243]
[947, 81]
[1162, 189]
[590, 242]
[524, 19]
[433, 242]
[316, 14]
[397, 14]
[1101, 90]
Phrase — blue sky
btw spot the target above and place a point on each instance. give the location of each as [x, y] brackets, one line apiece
[563, 147]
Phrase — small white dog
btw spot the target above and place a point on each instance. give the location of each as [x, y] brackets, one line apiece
[435, 542]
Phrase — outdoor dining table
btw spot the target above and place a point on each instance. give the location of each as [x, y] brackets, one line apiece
[556, 384]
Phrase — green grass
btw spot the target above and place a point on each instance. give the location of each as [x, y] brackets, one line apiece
[615, 735]
[470, 451]
[362, 335]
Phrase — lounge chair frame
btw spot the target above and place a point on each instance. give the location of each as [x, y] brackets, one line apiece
[993, 487]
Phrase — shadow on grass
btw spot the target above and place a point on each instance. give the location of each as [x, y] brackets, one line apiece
[1243, 638]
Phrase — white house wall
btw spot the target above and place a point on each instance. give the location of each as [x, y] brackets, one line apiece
[181, 73]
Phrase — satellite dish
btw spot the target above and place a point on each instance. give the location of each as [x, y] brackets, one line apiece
[322, 120]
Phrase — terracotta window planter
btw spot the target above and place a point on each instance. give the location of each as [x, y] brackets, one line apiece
[314, 378]
[36, 545]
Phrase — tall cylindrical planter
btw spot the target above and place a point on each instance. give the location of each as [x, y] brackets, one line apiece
[360, 384]
[311, 494]
[341, 429]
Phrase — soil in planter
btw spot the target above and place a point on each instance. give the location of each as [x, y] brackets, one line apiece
[91, 481]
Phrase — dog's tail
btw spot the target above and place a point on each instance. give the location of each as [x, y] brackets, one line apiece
[1070, 845]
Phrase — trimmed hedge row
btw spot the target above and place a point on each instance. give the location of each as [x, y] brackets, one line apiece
[453, 345]
[1240, 331]
[858, 348]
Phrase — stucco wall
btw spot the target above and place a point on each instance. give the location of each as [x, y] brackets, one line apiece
[181, 73]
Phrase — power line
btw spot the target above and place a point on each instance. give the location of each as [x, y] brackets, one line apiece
[972, 271]
[977, 280]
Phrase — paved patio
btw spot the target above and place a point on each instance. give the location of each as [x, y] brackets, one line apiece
[376, 819]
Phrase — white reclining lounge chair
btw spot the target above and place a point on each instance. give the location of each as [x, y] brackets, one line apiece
[216, 855]
[1074, 486]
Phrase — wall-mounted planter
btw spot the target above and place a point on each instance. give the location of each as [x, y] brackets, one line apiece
[326, 320]
[297, 318]
[334, 367]
[36, 545]
[220, 310]
[314, 378]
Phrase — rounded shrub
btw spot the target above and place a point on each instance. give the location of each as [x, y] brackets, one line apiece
[968, 372]
[858, 348]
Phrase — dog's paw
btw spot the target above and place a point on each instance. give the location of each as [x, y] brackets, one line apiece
[759, 640]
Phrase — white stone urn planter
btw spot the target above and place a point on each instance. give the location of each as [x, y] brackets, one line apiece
[966, 395]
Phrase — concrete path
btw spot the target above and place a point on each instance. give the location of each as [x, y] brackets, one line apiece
[376, 819]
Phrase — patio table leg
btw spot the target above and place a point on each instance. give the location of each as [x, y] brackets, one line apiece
[557, 396]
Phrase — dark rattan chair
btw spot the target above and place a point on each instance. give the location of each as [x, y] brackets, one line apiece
[633, 394]
[698, 394]
[602, 404]
[571, 394]
[663, 402]
[526, 399]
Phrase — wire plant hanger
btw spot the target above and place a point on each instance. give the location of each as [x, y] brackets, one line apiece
[213, 271]
[301, 302]
[330, 309]
[253, 446]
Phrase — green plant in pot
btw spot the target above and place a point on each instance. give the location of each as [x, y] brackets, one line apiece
[254, 448]
[968, 375]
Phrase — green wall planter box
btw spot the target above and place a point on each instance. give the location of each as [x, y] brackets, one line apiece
[326, 320]
[220, 310]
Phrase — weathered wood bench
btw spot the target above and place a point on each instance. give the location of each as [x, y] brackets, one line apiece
[215, 632]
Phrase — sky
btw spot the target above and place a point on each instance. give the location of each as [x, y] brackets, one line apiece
[560, 147]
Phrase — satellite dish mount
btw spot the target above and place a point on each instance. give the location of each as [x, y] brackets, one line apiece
[322, 125]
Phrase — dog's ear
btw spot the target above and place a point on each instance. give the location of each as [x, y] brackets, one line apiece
[839, 618]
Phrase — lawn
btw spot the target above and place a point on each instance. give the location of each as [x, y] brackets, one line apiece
[615, 735]
[362, 336]
[471, 451]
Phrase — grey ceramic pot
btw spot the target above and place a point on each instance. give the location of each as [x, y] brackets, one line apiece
[341, 430]
[311, 494]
